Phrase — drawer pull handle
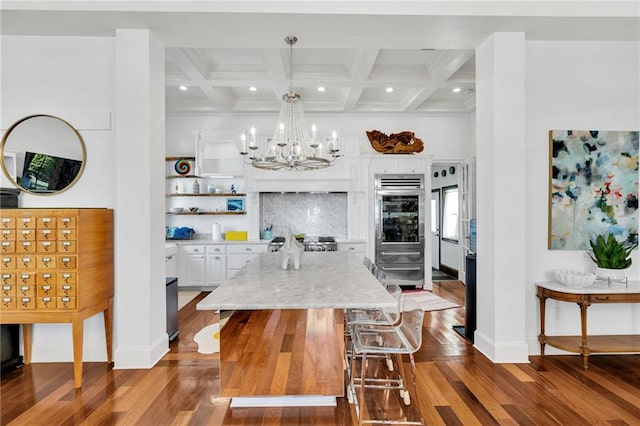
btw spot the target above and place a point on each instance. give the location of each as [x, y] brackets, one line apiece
[66, 287]
[46, 299]
[6, 287]
[66, 299]
[46, 287]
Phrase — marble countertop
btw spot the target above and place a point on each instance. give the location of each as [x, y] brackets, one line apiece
[599, 286]
[324, 280]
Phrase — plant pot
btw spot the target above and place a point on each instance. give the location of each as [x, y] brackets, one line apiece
[612, 274]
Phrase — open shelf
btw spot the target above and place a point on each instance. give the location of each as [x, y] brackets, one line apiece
[206, 195]
[205, 213]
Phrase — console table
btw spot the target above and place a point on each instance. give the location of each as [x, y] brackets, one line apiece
[599, 292]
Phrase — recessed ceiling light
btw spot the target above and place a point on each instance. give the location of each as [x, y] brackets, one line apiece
[456, 89]
[321, 89]
[183, 88]
[389, 89]
[253, 88]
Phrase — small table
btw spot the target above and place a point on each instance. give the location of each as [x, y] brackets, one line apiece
[599, 292]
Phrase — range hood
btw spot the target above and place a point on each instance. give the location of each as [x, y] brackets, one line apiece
[217, 158]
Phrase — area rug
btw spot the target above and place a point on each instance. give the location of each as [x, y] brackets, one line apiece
[425, 300]
[208, 339]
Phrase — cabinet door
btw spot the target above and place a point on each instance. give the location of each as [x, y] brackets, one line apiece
[216, 269]
[194, 270]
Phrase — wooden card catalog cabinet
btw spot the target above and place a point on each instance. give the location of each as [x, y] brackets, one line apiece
[57, 267]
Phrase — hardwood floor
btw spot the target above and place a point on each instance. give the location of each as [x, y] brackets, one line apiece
[456, 386]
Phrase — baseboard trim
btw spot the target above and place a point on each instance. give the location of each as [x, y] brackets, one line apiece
[132, 357]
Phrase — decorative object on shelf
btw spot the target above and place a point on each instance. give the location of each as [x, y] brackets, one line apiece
[183, 167]
[291, 147]
[196, 187]
[291, 251]
[435, 174]
[235, 205]
[179, 233]
[452, 170]
[233, 189]
[396, 143]
[176, 209]
[443, 172]
[593, 186]
[611, 257]
[574, 278]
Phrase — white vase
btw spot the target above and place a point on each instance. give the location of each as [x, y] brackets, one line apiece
[613, 274]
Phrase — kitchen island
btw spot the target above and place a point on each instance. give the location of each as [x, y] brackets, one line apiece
[283, 344]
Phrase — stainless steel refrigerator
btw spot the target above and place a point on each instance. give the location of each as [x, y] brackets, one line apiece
[399, 222]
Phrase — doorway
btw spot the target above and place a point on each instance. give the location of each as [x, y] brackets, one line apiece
[445, 222]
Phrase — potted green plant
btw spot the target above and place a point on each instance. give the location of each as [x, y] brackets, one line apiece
[611, 256]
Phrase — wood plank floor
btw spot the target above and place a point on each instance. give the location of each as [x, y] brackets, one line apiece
[456, 386]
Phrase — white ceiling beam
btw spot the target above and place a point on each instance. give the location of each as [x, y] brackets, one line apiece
[190, 64]
[361, 68]
[443, 65]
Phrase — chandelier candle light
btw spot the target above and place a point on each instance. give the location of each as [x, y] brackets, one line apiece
[291, 147]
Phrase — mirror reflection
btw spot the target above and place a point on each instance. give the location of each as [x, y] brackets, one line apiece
[42, 154]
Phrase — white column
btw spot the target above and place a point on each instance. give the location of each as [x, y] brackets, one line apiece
[500, 127]
[140, 337]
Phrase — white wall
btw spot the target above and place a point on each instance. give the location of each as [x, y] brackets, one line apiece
[573, 85]
[71, 77]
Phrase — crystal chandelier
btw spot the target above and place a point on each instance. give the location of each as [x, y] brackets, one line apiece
[291, 148]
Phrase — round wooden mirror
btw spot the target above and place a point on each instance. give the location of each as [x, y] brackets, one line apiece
[42, 154]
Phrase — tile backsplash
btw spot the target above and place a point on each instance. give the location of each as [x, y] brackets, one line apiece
[312, 214]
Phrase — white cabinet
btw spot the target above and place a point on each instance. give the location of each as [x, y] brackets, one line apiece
[397, 163]
[358, 248]
[192, 265]
[216, 269]
[239, 255]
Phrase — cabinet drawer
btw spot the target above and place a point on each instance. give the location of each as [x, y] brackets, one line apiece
[66, 246]
[8, 262]
[66, 234]
[46, 290]
[8, 279]
[67, 262]
[46, 222]
[26, 247]
[27, 278]
[237, 261]
[46, 234]
[26, 235]
[246, 248]
[46, 262]
[26, 303]
[46, 278]
[25, 262]
[66, 302]
[46, 247]
[8, 302]
[67, 278]
[67, 290]
[8, 246]
[8, 223]
[26, 223]
[8, 234]
[216, 249]
[193, 249]
[26, 290]
[46, 302]
[8, 290]
[67, 222]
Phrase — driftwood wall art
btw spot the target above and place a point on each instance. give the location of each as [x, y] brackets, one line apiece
[396, 143]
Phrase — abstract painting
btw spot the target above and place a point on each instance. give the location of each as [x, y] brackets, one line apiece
[593, 187]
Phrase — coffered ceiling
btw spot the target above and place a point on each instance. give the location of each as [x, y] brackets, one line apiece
[355, 49]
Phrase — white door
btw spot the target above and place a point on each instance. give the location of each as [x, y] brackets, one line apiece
[435, 229]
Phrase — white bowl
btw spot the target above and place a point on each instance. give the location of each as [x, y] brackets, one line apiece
[574, 278]
[176, 209]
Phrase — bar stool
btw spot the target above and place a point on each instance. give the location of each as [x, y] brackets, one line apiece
[398, 340]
